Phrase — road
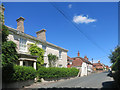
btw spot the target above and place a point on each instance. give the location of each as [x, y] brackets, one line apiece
[96, 80]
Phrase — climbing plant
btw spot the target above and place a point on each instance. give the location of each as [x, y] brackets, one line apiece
[52, 60]
[35, 50]
[9, 53]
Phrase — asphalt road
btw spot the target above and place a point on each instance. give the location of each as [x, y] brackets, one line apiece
[96, 80]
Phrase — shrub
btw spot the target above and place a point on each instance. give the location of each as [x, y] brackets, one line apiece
[18, 73]
[55, 72]
[116, 77]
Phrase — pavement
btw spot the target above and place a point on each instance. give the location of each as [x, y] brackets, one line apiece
[95, 80]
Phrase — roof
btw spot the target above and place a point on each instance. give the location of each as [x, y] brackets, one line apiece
[34, 38]
[97, 64]
[84, 60]
[69, 59]
[77, 62]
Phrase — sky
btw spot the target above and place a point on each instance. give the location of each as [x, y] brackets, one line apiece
[96, 34]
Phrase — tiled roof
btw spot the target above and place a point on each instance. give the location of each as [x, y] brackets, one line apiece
[34, 38]
[77, 62]
[84, 60]
[97, 64]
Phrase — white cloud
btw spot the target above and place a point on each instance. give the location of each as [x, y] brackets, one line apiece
[70, 6]
[83, 19]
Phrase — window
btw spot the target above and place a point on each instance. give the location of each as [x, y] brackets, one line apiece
[60, 54]
[60, 65]
[70, 62]
[44, 47]
[22, 45]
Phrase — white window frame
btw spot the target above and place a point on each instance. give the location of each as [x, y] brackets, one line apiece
[22, 44]
[60, 54]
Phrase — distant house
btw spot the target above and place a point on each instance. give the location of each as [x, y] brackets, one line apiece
[80, 63]
[23, 40]
[69, 62]
[98, 66]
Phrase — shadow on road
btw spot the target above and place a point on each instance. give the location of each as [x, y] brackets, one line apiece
[109, 84]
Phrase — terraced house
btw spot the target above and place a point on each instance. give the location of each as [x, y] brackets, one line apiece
[23, 40]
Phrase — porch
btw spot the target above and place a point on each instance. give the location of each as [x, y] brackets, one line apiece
[27, 60]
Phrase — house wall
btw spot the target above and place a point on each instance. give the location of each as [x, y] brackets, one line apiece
[49, 49]
[84, 69]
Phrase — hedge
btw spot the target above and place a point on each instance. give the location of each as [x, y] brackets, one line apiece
[55, 72]
[18, 73]
[116, 77]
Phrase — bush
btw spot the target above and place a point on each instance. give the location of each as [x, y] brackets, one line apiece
[18, 73]
[55, 72]
[116, 77]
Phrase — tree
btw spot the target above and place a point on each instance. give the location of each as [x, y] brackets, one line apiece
[52, 60]
[35, 50]
[115, 58]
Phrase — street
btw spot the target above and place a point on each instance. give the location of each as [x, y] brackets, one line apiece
[95, 80]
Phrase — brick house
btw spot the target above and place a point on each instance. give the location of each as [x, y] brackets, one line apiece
[98, 66]
[23, 41]
[83, 64]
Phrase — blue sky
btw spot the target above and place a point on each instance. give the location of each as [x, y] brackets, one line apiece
[98, 21]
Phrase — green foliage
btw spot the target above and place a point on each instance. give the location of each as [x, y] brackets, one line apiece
[115, 59]
[9, 53]
[18, 73]
[55, 72]
[115, 54]
[35, 50]
[5, 33]
[52, 60]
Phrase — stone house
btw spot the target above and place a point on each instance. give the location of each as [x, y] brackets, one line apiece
[23, 40]
[80, 63]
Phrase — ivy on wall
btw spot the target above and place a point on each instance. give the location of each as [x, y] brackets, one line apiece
[52, 60]
[35, 50]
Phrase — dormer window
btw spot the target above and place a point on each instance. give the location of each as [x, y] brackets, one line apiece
[22, 44]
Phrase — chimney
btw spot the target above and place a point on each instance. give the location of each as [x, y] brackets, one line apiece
[85, 57]
[78, 54]
[41, 34]
[20, 24]
[2, 9]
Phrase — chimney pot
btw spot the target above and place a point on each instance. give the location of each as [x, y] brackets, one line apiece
[41, 34]
[20, 24]
[78, 54]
